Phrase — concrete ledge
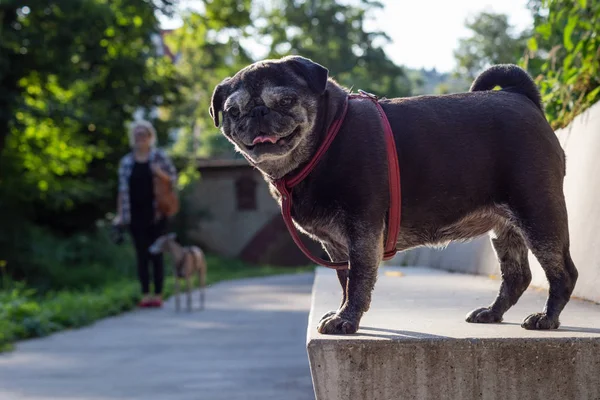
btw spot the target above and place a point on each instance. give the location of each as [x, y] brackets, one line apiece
[415, 344]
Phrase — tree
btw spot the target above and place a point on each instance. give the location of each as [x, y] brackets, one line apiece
[333, 34]
[434, 82]
[213, 44]
[63, 40]
[209, 49]
[565, 56]
[71, 75]
[492, 41]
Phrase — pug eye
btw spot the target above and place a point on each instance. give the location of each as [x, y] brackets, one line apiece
[286, 101]
[233, 111]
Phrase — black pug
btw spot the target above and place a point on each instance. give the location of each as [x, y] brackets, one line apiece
[470, 163]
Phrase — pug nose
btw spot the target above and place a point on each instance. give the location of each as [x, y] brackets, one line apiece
[259, 111]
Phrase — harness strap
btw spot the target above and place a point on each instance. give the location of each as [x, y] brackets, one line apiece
[286, 184]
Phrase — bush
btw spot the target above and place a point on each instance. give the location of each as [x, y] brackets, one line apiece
[47, 261]
[564, 54]
[26, 314]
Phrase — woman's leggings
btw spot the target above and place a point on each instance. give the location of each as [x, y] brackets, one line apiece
[143, 237]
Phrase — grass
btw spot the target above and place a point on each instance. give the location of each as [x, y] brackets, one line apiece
[220, 269]
[25, 313]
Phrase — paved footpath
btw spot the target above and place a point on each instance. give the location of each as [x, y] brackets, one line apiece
[250, 343]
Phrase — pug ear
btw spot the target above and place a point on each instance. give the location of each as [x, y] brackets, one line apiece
[217, 100]
[315, 74]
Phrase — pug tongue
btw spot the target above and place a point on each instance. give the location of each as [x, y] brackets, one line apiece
[264, 139]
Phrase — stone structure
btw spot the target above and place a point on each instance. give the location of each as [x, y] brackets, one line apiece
[414, 344]
[242, 219]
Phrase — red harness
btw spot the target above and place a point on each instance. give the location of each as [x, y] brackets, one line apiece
[287, 183]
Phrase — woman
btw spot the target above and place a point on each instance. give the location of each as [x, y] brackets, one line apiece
[137, 206]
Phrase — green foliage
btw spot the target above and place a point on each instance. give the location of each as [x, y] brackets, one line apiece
[220, 269]
[492, 41]
[209, 49]
[24, 313]
[71, 75]
[434, 82]
[562, 52]
[565, 55]
[50, 262]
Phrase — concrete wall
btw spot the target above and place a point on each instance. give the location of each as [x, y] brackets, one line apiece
[226, 230]
[581, 141]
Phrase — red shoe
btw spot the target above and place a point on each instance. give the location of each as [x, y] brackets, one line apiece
[145, 303]
[156, 303]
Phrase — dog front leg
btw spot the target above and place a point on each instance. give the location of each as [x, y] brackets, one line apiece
[336, 254]
[366, 252]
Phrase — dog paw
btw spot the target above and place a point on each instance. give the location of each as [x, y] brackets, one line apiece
[483, 316]
[336, 325]
[539, 321]
[327, 315]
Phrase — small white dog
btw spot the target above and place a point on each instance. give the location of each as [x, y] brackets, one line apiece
[188, 260]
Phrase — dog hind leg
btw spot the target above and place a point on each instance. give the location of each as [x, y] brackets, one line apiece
[202, 284]
[561, 273]
[188, 289]
[545, 226]
[511, 251]
[177, 290]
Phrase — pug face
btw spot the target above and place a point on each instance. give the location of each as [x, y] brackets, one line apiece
[270, 107]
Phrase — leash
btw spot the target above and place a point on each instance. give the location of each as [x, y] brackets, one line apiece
[286, 184]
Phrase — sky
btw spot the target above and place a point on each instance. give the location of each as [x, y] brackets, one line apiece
[425, 33]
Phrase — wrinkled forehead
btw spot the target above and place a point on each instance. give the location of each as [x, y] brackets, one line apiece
[268, 74]
[264, 81]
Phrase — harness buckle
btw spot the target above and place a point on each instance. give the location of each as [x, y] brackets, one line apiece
[367, 94]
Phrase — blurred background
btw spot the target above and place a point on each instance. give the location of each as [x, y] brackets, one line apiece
[73, 74]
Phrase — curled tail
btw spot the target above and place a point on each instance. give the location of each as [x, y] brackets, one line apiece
[511, 78]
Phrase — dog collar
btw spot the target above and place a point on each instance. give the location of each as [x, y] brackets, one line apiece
[286, 184]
